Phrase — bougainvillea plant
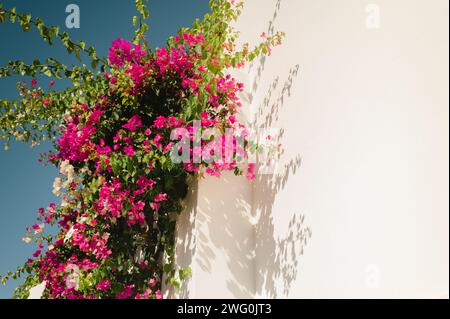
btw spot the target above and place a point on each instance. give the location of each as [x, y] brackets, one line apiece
[116, 132]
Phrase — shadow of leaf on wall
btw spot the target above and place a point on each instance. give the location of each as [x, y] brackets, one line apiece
[233, 232]
[277, 252]
[259, 65]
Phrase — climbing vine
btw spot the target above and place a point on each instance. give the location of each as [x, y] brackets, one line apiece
[126, 142]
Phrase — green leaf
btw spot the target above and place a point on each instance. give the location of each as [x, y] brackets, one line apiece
[2, 14]
[174, 282]
[39, 25]
[12, 15]
[45, 34]
[94, 63]
[92, 53]
[70, 46]
[24, 21]
[77, 52]
[167, 268]
[55, 30]
[48, 72]
[185, 273]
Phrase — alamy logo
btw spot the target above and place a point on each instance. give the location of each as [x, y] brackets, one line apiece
[73, 19]
[373, 276]
[373, 16]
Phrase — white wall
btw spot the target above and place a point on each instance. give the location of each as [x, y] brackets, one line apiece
[359, 205]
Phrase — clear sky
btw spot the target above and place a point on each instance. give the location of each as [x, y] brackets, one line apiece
[25, 185]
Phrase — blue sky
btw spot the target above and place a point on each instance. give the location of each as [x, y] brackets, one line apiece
[25, 185]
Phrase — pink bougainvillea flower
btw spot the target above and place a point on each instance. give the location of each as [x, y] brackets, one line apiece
[144, 184]
[155, 206]
[174, 122]
[157, 140]
[103, 285]
[213, 171]
[37, 253]
[123, 51]
[117, 137]
[129, 151]
[161, 198]
[75, 144]
[251, 172]
[96, 115]
[158, 295]
[160, 122]
[133, 124]
[168, 147]
[127, 292]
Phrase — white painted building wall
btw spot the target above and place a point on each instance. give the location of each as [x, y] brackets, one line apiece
[359, 204]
